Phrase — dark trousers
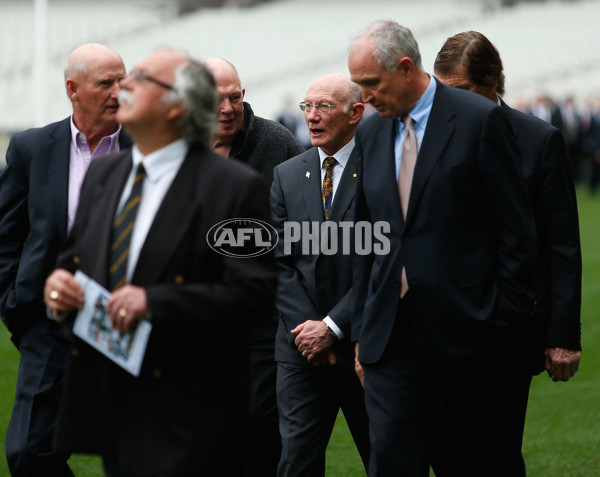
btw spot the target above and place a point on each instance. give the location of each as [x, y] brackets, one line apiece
[264, 441]
[309, 398]
[44, 349]
[404, 392]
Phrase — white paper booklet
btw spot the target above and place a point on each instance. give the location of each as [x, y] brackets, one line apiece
[93, 326]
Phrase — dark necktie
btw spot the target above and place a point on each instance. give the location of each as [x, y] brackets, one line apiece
[329, 164]
[407, 169]
[121, 233]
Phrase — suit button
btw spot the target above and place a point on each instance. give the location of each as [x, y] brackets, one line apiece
[76, 260]
[74, 352]
[157, 373]
[179, 279]
[397, 284]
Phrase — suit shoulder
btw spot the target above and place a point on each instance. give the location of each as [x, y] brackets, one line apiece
[216, 165]
[531, 123]
[371, 125]
[33, 135]
[296, 161]
[273, 134]
[105, 165]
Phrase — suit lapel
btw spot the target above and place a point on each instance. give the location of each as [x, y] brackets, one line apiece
[439, 131]
[345, 190]
[309, 175]
[108, 194]
[58, 172]
[170, 224]
[382, 165]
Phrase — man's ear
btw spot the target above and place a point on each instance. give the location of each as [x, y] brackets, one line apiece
[176, 111]
[356, 112]
[71, 86]
[406, 64]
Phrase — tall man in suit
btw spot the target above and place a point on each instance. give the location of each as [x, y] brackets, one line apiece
[186, 413]
[315, 375]
[552, 340]
[240, 134]
[432, 320]
[39, 193]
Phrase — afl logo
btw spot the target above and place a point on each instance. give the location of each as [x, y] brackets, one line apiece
[242, 238]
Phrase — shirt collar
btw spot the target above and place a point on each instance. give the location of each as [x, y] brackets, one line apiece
[341, 156]
[159, 162]
[77, 137]
[420, 111]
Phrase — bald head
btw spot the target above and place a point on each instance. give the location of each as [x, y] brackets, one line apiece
[223, 71]
[333, 110]
[92, 75]
[230, 117]
[340, 86]
[82, 57]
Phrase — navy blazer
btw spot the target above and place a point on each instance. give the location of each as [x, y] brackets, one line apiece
[468, 243]
[547, 172]
[312, 286]
[33, 218]
[201, 304]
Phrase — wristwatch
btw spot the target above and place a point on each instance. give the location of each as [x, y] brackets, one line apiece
[331, 332]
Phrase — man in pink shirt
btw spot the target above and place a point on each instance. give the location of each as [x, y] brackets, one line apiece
[39, 193]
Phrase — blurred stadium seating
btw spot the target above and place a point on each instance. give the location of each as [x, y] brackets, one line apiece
[280, 46]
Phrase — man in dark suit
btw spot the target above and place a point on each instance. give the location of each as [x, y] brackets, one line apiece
[39, 193]
[315, 373]
[552, 340]
[186, 413]
[432, 319]
[240, 134]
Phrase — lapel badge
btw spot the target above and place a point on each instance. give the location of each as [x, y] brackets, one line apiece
[355, 175]
[307, 174]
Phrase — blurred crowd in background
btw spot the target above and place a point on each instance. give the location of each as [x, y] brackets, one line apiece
[579, 123]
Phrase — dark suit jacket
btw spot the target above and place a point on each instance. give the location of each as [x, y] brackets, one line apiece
[33, 219]
[547, 174]
[311, 286]
[185, 413]
[468, 244]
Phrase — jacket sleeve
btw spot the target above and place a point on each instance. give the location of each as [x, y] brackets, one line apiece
[561, 234]
[499, 162]
[14, 227]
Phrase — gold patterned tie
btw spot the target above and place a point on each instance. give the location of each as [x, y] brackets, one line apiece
[407, 169]
[121, 233]
[329, 164]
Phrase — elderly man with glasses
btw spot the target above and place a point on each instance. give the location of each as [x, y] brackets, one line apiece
[141, 232]
[315, 357]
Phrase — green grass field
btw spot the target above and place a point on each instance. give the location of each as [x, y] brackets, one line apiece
[562, 436]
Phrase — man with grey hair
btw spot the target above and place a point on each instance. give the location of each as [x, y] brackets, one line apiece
[263, 144]
[39, 194]
[186, 412]
[315, 366]
[433, 319]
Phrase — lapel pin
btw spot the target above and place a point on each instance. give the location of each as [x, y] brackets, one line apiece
[307, 175]
[354, 175]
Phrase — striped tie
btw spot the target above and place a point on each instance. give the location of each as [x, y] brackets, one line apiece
[121, 233]
[329, 164]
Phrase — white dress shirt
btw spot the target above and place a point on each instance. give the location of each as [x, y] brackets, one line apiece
[161, 167]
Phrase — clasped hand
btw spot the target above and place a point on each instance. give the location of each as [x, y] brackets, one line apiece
[314, 342]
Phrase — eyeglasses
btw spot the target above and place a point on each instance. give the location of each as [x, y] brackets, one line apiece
[141, 76]
[323, 108]
[234, 98]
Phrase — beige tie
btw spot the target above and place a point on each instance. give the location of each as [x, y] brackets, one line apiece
[407, 169]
